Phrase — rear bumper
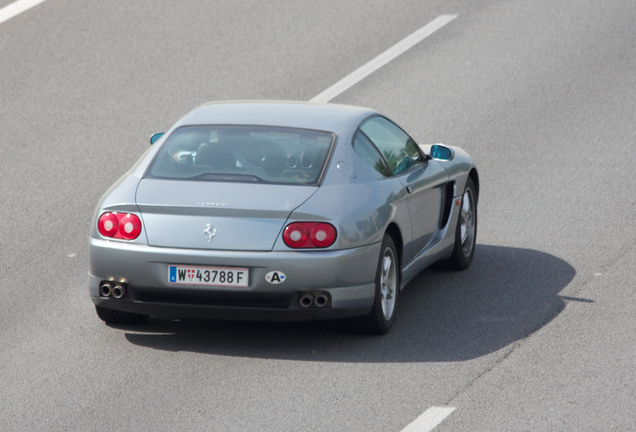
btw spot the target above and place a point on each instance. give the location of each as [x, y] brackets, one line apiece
[174, 310]
[347, 275]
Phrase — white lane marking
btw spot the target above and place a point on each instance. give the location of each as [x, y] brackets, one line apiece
[16, 8]
[388, 55]
[429, 419]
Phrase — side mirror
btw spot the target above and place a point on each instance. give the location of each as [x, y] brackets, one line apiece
[155, 137]
[440, 152]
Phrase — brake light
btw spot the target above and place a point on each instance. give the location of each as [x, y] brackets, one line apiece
[124, 226]
[302, 235]
[108, 225]
[129, 227]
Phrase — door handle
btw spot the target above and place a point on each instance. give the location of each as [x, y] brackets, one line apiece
[409, 189]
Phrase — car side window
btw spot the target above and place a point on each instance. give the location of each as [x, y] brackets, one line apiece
[398, 149]
[370, 154]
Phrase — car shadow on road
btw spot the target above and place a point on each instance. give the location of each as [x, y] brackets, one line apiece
[507, 294]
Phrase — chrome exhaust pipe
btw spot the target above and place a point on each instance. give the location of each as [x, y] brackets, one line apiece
[306, 300]
[105, 290]
[321, 300]
[119, 291]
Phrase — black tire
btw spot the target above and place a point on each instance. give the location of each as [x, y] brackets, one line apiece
[465, 241]
[387, 289]
[112, 316]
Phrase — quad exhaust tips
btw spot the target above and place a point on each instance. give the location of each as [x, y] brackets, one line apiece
[316, 299]
[112, 289]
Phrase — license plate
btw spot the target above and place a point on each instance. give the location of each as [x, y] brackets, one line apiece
[210, 276]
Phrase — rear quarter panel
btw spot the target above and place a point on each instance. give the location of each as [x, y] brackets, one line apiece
[360, 206]
[361, 212]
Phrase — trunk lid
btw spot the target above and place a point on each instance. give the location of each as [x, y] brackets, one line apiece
[216, 215]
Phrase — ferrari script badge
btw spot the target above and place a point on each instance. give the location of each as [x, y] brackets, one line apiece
[209, 232]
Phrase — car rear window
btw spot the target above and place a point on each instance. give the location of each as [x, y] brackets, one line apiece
[243, 154]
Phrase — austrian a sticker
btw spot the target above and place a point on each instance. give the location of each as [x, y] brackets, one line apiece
[275, 277]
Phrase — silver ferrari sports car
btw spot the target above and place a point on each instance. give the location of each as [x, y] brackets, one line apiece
[280, 211]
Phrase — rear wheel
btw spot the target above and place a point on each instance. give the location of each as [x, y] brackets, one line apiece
[112, 316]
[387, 288]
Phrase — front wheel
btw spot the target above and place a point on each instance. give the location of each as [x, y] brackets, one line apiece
[466, 232]
[387, 288]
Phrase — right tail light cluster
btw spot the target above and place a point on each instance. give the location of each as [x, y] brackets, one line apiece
[304, 235]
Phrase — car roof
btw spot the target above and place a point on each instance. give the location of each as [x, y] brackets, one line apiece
[326, 117]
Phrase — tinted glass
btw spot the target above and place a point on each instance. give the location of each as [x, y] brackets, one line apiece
[399, 149]
[370, 154]
[243, 154]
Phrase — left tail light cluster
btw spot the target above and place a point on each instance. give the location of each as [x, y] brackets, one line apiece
[303, 235]
[124, 226]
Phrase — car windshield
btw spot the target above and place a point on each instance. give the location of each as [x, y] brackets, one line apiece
[243, 154]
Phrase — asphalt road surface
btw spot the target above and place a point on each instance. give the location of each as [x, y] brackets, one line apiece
[538, 335]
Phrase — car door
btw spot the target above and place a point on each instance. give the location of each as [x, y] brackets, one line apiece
[422, 179]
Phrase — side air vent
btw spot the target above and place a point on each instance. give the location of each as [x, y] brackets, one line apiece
[448, 190]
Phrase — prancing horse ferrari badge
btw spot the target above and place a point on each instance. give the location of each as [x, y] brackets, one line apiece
[209, 232]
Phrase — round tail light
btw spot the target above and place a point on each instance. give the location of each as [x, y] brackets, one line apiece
[108, 224]
[323, 235]
[296, 235]
[129, 227]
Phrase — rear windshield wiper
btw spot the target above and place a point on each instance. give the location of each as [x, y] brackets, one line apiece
[229, 177]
